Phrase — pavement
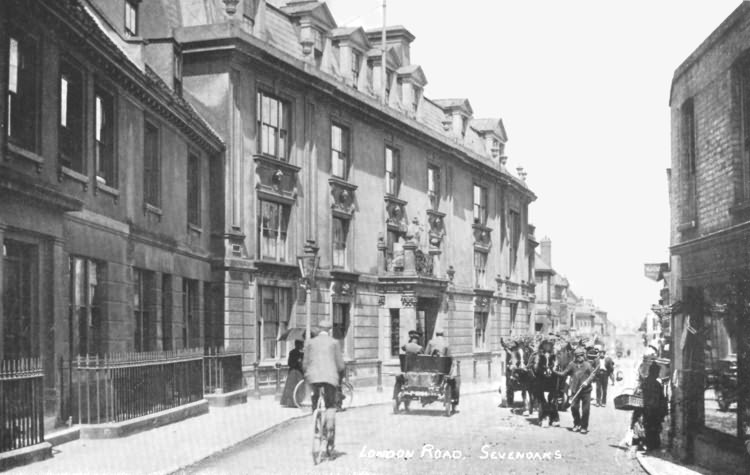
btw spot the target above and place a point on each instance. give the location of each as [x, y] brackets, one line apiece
[172, 448]
[663, 464]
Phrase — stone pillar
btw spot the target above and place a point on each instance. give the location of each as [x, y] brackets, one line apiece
[410, 261]
[436, 267]
[381, 254]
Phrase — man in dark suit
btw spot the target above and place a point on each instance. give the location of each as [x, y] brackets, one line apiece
[323, 365]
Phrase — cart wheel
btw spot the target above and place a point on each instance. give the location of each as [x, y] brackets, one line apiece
[396, 402]
[723, 401]
[448, 402]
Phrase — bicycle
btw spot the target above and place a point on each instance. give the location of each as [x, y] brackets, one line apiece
[322, 439]
[302, 393]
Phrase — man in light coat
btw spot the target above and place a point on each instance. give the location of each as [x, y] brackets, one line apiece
[323, 366]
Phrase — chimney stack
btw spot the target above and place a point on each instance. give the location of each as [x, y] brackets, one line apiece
[546, 250]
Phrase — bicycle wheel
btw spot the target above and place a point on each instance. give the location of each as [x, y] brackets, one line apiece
[319, 437]
[302, 395]
[348, 390]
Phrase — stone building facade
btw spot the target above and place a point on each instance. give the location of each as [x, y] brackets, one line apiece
[709, 190]
[553, 309]
[104, 186]
[418, 222]
[164, 163]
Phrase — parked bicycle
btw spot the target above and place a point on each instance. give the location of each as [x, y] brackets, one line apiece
[303, 391]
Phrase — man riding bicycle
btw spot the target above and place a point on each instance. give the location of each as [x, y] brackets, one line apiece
[323, 365]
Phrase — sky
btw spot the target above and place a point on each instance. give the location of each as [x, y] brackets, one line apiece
[582, 87]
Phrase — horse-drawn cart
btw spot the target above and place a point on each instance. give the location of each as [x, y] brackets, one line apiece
[426, 379]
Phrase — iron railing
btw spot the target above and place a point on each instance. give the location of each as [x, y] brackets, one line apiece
[222, 371]
[21, 403]
[123, 386]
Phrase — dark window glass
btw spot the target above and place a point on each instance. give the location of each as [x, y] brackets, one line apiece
[395, 332]
[131, 17]
[339, 151]
[191, 337]
[273, 126]
[151, 165]
[104, 133]
[392, 171]
[23, 91]
[340, 232]
[273, 220]
[17, 299]
[275, 309]
[71, 117]
[194, 189]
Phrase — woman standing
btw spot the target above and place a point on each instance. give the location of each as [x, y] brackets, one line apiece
[295, 374]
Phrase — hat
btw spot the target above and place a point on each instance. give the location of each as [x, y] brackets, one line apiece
[579, 352]
[439, 331]
[325, 324]
[414, 334]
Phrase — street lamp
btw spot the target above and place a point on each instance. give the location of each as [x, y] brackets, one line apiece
[308, 264]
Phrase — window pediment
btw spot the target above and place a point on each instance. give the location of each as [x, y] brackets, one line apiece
[413, 74]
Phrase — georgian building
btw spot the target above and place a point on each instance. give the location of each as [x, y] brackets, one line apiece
[165, 162]
[104, 194]
[418, 222]
[709, 190]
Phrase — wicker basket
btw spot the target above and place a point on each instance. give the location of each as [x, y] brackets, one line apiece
[628, 402]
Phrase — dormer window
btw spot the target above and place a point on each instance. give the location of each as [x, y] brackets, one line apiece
[495, 148]
[388, 82]
[356, 67]
[131, 17]
[464, 125]
[317, 41]
[416, 96]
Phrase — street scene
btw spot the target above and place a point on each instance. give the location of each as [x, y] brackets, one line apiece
[374, 236]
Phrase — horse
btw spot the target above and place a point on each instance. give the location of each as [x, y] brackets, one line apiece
[548, 388]
[518, 377]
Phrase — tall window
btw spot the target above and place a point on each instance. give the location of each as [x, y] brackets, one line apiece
[194, 189]
[340, 234]
[18, 301]
[86, 298]
[480, 268]
[273, 220]
[433, 185]
[143, 310]
[480, 205]
[688, 130]
[388, 84]
[341, 324]
[104, 134]
[480, 330]
[356, 67]
[273, 126]
[339, 151]
[275, 309]
[151, 165]
[392, 171]
[416, 95]
[395, 332]
[513, 314]
[131, 17]
[514, 218]
[23, 93]
[166, 311]
[71, 117]
[191, 337]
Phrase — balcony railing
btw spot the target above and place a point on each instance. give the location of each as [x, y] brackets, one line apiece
[123, 386]
[21, 403]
